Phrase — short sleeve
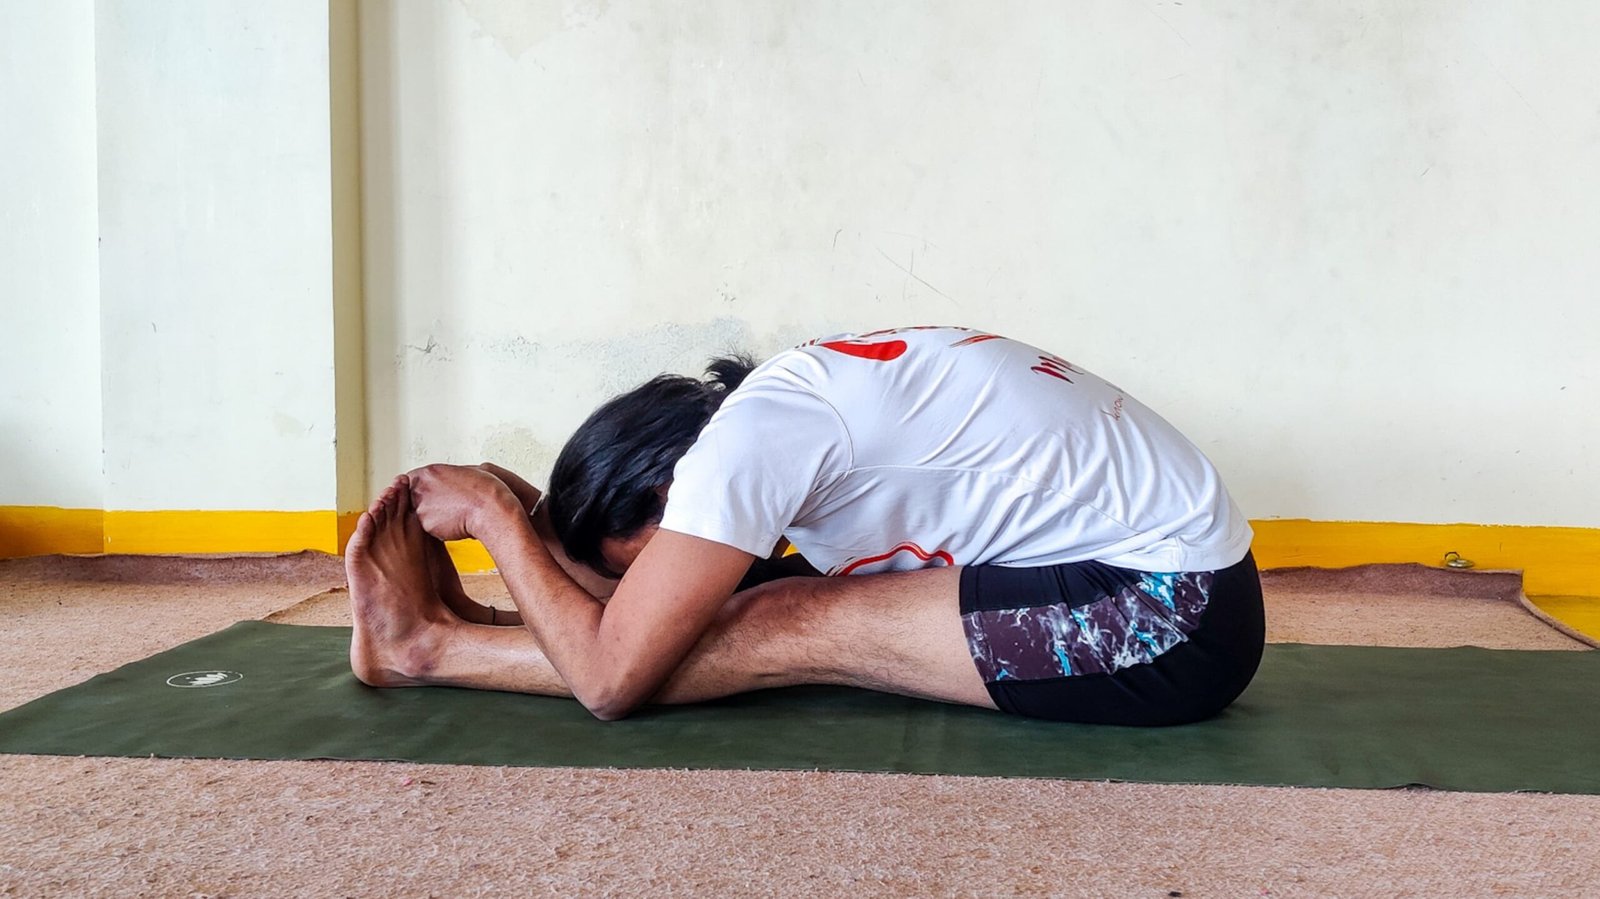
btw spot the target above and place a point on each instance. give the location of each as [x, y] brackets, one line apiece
[755, 464]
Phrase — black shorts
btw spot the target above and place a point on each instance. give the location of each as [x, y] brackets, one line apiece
[1095, 644]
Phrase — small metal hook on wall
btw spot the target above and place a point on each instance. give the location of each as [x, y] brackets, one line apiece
[1454, 560]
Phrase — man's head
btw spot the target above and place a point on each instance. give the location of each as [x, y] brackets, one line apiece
[609, 485]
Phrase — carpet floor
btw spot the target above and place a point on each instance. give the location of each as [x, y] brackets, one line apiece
[93, 826]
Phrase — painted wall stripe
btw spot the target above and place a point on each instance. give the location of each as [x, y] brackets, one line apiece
[1563, 561]
[220, 532]
[37, 530]
[1557, 561]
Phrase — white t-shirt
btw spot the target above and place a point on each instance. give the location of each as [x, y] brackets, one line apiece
[920, 447]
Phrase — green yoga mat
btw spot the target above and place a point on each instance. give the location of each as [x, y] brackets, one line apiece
[1334, 716]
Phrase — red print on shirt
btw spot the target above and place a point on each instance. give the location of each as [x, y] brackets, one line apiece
[907, 547]
[887, 351]
[1056, 367]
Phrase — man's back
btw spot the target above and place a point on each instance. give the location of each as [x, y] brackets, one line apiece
[926, 446]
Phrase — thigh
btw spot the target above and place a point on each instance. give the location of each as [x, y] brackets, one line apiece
[895, 633]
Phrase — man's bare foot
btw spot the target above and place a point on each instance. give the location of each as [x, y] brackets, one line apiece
[399, 622]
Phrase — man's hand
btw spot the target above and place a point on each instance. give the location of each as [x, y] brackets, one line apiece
[526, 493]
[455, 502]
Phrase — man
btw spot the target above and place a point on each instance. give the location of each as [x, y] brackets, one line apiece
[1004, 530]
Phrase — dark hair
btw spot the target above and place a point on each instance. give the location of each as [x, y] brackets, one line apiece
[605, 482]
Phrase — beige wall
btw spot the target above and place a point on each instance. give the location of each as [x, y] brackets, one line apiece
[215, 261]
[1348, 248]
[49, 281]
[166, 287]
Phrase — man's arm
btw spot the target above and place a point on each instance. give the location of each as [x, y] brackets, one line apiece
[526, 493]
[598, 585]
[615, 655]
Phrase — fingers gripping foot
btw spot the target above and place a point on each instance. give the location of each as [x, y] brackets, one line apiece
[399, 623]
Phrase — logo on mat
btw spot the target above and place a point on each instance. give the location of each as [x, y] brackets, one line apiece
[193, 679]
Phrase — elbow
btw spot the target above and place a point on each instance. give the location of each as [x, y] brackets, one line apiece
[608, 712]
[609, 703]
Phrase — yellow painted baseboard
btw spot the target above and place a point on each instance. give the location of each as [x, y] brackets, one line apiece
[41, 530]
[1556, 561]
[1563, 561]
[220, 532]
[346, 526]
[1581, 613]
[469, 555]
[37, 530]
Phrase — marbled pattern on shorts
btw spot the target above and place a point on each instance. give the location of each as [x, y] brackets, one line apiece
[1131, 627]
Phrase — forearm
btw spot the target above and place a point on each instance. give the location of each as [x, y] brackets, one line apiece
[613, 656]
[562, 616]
[528, 495]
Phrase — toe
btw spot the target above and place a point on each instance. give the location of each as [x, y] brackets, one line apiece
[360, 538]
[391, 498]
[402, 497]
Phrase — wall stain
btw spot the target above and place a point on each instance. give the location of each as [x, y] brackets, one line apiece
[520, 450]
[516, 26]
[431, 351]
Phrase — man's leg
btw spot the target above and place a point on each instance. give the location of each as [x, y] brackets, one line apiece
[447, 585]
[898, 633]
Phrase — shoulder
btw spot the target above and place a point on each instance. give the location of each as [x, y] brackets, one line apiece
[779, 417]
[794, 381]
